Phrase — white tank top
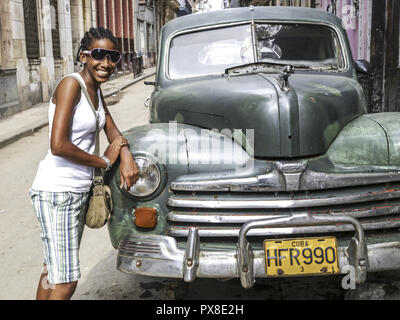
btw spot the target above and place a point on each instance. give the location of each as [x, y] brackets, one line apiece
[57, 174]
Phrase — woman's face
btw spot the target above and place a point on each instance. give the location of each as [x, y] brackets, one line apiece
[99, 70]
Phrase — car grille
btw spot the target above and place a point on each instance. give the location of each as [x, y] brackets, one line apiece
[130, 247]
[222, 213]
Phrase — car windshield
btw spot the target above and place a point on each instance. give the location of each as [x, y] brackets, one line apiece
[212, 51]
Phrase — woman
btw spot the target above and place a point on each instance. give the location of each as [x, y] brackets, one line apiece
[60, 191]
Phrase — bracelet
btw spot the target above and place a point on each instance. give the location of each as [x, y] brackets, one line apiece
[108, 162]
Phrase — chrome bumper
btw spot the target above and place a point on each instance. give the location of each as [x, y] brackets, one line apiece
[156, 255]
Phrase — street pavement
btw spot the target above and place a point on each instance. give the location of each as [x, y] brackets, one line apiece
[33, 119]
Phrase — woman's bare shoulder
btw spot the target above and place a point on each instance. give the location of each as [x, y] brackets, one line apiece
[69, 90]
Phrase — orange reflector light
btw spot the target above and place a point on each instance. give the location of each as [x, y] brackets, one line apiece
[145, 217]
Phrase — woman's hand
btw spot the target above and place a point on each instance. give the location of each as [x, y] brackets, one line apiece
[113, 150]
[129, 172]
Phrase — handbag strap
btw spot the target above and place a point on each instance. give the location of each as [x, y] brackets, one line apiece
[98, 172]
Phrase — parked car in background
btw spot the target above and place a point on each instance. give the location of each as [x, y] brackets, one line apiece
[260, 159]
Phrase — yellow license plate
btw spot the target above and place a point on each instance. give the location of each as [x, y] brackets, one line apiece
[302, 256]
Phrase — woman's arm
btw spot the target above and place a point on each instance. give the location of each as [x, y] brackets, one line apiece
[129, 172]
[66, 97]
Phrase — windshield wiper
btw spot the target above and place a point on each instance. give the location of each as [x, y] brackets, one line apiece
[262, 66]
[324, 68]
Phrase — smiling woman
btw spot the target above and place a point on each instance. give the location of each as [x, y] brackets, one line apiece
[60, 191]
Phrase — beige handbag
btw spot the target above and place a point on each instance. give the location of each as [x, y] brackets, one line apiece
[100, 203]
[100, 206]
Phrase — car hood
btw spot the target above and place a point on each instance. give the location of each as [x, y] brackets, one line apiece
[302, 121]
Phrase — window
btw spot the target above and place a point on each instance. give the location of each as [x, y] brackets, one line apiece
[210, 51]
[316, 46]
[31, 29]
[55, 33]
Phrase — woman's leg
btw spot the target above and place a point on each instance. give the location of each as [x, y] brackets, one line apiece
[62, 291]
[48, 291]
[60, 217]
[44, 287]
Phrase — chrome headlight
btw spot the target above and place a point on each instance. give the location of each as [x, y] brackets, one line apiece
[149, 177]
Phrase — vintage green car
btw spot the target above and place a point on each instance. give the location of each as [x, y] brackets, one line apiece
[260, 158]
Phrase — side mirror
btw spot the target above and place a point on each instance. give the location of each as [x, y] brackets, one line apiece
[362, 66]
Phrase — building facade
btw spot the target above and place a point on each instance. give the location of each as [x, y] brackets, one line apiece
[186, 7]
[39, 40]
[209, 5]
[146, 33]
[166, 10]
[36, 46]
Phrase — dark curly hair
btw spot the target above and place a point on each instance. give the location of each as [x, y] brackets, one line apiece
[95, 33]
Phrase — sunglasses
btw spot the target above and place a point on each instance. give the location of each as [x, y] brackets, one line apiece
[100, 54]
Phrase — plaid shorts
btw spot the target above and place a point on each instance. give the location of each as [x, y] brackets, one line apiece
[61, 217]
